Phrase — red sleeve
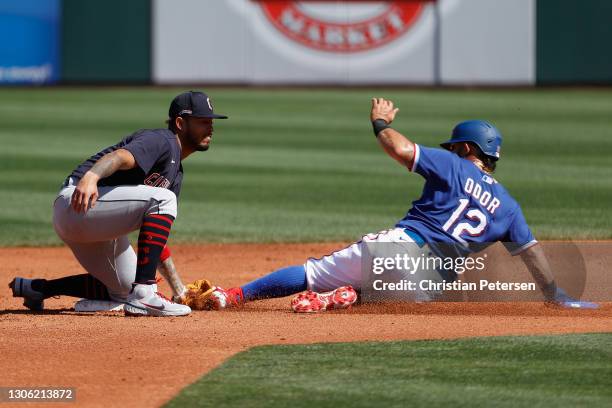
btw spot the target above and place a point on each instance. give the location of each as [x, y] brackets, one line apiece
[165, 254]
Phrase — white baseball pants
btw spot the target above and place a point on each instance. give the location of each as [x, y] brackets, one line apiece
[346, 267]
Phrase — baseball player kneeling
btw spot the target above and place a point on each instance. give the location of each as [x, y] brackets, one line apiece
[462, 207]
[133, 185]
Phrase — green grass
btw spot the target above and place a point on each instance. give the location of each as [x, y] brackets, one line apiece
[302, 165]
[559, 371]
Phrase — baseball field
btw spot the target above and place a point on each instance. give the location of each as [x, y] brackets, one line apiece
[296, 173]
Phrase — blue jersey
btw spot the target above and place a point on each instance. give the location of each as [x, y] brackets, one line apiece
[461, 204]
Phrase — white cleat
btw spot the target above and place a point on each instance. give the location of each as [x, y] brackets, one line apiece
[32, 299]
[145, 300]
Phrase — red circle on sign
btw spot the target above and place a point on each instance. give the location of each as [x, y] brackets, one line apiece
[364, 35]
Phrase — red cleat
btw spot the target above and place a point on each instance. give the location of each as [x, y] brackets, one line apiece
[313, 302]
[224, 299]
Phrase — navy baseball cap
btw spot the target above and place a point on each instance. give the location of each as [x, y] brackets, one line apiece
[193, 103]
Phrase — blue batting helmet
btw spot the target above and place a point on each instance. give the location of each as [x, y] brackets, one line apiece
[481, 133]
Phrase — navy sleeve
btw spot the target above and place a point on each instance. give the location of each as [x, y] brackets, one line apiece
[147, 148]
[519, 236]
[178, 182]
[434, 163]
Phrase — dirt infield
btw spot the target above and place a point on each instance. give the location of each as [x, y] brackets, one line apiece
[118, 361]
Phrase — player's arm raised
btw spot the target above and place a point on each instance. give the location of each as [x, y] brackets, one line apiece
[393, 142]
[86, 192]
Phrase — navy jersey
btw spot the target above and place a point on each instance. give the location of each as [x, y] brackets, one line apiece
[158, 161]
[463, 204]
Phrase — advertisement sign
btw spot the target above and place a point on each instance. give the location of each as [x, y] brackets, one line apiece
[344, 42]
[347, 42]
[29, 49]
[365, 27]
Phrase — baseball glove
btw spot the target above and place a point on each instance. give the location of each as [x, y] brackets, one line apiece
[197, 295]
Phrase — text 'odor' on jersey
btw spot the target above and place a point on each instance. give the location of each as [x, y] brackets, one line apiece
[462, 204]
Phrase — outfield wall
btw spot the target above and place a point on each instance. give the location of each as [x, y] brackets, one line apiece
[412, 42]
[574, 41]
[271, 42]
[107, 41]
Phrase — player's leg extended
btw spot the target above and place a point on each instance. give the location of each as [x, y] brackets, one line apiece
[334, 275]
[81, 286]
[117, 270]
[111, 267]
[282, 282]
[338, 270]
[341, 268]
[94, 294]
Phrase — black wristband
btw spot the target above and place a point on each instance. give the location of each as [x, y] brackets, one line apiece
[379, 125]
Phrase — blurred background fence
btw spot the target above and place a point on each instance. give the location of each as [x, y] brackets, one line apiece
[250, 42]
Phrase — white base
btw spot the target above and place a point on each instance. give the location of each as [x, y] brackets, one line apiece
[87, 305]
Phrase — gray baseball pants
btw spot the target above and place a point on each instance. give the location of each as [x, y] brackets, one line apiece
[99, 238]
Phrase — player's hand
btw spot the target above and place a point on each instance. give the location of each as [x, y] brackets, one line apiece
[563, 300]
[383, 109]
[85, 194]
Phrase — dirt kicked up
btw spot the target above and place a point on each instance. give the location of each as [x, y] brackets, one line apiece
[116, 361]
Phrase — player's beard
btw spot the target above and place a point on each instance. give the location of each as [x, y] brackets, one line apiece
[196, 142]
[202, 148]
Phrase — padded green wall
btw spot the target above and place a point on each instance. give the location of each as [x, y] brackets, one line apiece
[106, 41]
[574, 41]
